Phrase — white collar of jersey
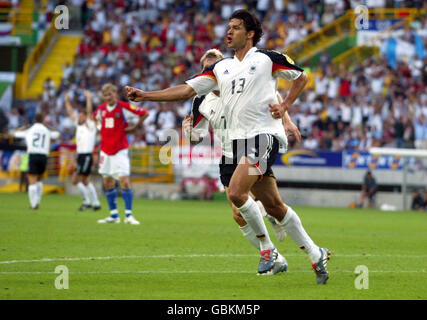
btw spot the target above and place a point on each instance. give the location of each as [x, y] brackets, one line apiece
[110, 108]
[38, 124]
[249, 53]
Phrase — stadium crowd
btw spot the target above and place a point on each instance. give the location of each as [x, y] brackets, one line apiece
[155, 44]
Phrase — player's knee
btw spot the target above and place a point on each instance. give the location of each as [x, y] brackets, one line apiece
[109, 183]
[237, 197]
[85, 180]
[125, 184]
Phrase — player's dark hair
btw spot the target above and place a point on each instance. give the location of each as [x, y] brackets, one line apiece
[251, 23]
[83, 110]
[38, 118]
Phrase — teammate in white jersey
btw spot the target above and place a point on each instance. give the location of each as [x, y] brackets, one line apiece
[247, 83]
[85, 142]
[37, 138]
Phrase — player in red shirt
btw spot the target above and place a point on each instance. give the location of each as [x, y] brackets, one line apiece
[112, 118]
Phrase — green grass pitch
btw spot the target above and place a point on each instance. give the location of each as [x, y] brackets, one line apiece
[194, 250]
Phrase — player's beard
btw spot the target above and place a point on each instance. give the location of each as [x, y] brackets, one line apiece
[237, 44]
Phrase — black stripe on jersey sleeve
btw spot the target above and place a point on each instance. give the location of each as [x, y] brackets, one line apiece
[210, 68]
[280, 59]
[195, 109]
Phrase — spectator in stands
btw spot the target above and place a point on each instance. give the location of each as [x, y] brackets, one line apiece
[14, 119]
[325, 61]
[311, 142]
[369, 190]
[321, 86]
[399, 128]
[420, 132]
[165, 120]
[137, 42]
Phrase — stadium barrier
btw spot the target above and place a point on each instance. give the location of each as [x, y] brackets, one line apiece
[338, 36]
[302, 50]
[146, 164]
[21, 19]
[7, 15]
[367, 48]
[30, 67]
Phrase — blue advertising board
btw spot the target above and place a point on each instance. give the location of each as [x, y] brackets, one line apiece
[310, 158]
[344, 159]
[381, 24]
[365, 160]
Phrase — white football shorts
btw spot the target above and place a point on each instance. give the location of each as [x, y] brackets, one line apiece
[116, 165]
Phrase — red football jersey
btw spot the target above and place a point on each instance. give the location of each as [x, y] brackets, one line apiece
[113, 125]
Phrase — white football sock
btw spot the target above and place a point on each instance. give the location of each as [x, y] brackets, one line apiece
[249, 234]
[261, 208]
[93, 195]
[293, 226]
[252, 215]
[32, 194]
[39, 191]
[84, 192]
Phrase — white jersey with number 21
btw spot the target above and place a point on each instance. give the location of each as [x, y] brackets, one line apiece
[38, 138]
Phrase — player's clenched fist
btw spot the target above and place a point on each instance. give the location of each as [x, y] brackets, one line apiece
[134, 94]
[277, 110]
[187, 124]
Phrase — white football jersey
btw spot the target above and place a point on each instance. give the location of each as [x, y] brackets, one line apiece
[247, 88]
[86, 136]
[208, 109]
[37, 138]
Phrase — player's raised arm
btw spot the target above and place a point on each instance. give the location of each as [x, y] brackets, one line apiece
[22, 128]
[21, 132]
[180, 92]
[89, 107]
[69, 108]
[55, 134]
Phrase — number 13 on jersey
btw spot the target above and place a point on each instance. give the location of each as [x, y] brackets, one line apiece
[240, 85]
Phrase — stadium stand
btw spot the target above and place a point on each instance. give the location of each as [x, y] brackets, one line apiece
[357, 98]
[147, 45]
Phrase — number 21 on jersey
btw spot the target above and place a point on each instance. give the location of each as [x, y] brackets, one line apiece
[39, 140]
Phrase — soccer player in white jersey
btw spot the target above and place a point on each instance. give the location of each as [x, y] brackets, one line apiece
[85, 142]
[208, 110]
[247, 83]
[37, 138]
